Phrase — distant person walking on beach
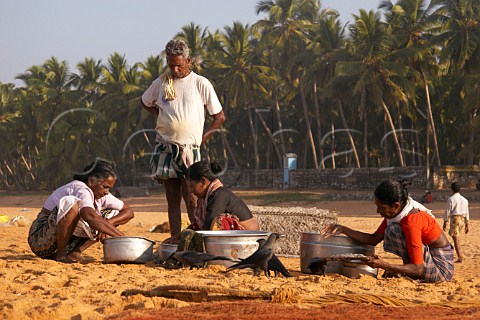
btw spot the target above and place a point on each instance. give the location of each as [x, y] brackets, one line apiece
[458, 215]
[179, 99]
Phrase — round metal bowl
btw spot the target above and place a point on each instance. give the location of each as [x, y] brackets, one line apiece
[234, 244]
[127, 250]
[314, 245]
[165, 250]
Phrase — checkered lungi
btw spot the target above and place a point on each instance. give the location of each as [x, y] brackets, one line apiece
[42, 236]
[171, 160]
[438, 261]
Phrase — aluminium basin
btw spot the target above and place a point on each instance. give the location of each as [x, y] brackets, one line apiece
[127, 250]
[314, 245]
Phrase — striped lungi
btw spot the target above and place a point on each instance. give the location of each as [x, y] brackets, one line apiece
[42, 236]
[171, 160]
[438, 262]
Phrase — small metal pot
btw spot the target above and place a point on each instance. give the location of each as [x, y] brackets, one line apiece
[166, 249]
[354, 269]
[127, 250]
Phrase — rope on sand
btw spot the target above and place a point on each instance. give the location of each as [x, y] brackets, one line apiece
[199, 293]
[357, 298]
[284, 295]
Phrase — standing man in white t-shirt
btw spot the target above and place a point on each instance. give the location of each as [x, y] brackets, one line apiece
[179, 99]
[458, 215]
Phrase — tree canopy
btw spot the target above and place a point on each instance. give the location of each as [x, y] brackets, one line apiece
[396, 87]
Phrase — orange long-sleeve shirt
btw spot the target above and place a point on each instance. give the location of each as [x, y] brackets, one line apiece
[420, 228]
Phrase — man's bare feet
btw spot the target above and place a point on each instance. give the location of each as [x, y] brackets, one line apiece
[459, 260]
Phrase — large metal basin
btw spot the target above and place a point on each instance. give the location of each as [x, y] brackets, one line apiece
[235, 244]
[314, 245]
[127, 250]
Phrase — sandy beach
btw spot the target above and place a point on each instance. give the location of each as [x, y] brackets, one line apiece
[32, 288]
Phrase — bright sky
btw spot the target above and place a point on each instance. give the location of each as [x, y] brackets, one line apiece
[32, 31]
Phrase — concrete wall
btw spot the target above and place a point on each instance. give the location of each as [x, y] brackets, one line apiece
[467, 176]
[351, 179]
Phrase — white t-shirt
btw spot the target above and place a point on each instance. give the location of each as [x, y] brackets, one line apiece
[81, 191]
[182, 119]
[457, 205]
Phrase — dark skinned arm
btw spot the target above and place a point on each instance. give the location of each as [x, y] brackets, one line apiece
[123, 216]
[373, 239]
[409, 269]
[218, 120]
[365, 238]
[98, 223]
[250, 224]
[152, 110]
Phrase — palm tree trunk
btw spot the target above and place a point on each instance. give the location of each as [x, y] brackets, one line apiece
[256, 156]
[349, 134]
[333, 145]
[363, 113]
[413, 145]
[430, 117]
[268, 156]
[229, 149]
[394, 133]
[305, 154]
[319, 123]
[13, 173]
[471, 137]
[307, 125]
[4, 178]
[418, 149]
[427, 159]
[400, 132]
[280, 126]
[29, 167]
[269, 133]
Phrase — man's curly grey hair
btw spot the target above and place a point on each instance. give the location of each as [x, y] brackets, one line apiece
[177, 47]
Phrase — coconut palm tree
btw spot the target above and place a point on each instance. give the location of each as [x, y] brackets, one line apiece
[285, 38]
[12, 172]
[412, 23]
[151, 69]
[194, 36]
[376, 75]
[460, 36]
[89, 80]
[120, 106]
[327, 48]
[231, 58]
